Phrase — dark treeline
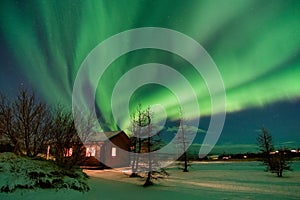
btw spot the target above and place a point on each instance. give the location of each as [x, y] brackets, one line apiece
[29, 127]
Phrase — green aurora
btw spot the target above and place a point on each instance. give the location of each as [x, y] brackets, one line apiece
[255, 44]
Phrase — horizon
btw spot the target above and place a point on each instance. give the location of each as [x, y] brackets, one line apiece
[255, 46]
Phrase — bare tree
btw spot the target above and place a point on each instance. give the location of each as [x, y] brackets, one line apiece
[145, 142]
[67, 145]
[26, 122]
[182, 141]
[137, 123]
[147, 122]
[67, 140]
[275, 161]
[7, 124]
[85, 124]
[265, 141]
[183, 144]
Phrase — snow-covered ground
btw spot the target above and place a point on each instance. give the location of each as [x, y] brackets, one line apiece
[211, 180]
[18, 172]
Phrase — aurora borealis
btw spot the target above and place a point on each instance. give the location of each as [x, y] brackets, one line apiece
[255, 45]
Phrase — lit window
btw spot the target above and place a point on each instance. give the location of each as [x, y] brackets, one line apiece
[114, 152]
[93, 151]
[87, 152]
[90, 151]
[68, 152]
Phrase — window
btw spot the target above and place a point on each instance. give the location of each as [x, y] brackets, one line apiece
[87, 152]
[90, 151]
[93, 151]
[114, 152]
[68, 152]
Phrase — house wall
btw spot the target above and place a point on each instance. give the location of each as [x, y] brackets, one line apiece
[92, 160]
[121, 143]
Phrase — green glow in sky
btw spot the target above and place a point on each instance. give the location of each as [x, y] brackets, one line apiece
[255, 44]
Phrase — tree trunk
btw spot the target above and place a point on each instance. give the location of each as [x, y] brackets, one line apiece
[185, 169]
[133, 171]
[148, 180]
[279, 172]
[138, 156]
[185, 163]
[134, 161]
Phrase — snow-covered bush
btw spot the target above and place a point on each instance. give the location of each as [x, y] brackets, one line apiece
[23, 172]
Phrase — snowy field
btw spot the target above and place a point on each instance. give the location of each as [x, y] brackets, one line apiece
[211, 180]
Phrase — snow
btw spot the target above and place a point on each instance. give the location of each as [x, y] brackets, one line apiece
[206, 180]
[21, 172]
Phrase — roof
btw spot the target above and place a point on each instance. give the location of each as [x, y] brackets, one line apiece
[101, 137]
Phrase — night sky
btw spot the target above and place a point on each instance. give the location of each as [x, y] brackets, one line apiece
[255, 45]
